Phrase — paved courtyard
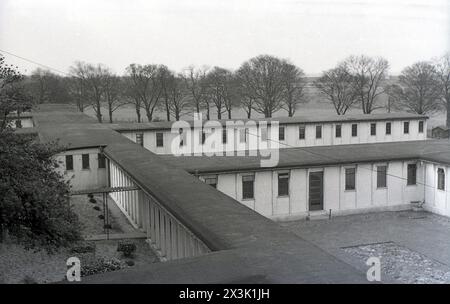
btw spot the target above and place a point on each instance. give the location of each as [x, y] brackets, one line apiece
[414, 247]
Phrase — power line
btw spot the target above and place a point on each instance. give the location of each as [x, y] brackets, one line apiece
[37, 63]
[339, 160]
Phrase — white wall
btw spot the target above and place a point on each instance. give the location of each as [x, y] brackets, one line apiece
[83, 179]
[292, 136]
[366, 196]
[436, 200]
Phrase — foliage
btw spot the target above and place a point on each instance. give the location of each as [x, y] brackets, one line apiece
[127, 248]
[34, 199]
[100, 265]
[86, 247]
[417, 89]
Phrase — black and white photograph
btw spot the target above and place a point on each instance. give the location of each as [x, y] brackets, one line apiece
[224, 147]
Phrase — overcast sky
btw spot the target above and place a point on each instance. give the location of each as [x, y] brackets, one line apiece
[315, 35]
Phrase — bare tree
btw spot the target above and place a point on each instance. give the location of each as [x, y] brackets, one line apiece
[146, 85]
[368, 75]
[47, 87]
[131, 96]
[336, 85]
[417, 89]
[179, 101]
[294, 83]
[113, 88]
[93, 77]
[262, 79]
[442, 66]
[165, 77]
[77, 85]
[195, 80]
[216, 79]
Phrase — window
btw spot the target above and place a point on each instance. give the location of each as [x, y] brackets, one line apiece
[283, 184]
[412, 173]
[301, 132]
[381, 176]
[388, 128]
[318, 131]
[373, 129]
[140, 139]
[354, 130]
[441, 179]
[338, 130]
[406, 127]
[69, 162]
[211, 180]
[224, 136]
[85, 161]
[350, 178]
[101, 161]
[160, 139]
[281, 133]
[421, 126]
[247, 186]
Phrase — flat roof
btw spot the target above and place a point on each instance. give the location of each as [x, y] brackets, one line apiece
[301, 119]
[247, 246]
[428, 150]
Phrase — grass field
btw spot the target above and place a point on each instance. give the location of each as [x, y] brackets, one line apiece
[314, 106]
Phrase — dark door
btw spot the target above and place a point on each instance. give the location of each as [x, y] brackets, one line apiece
[315, 191]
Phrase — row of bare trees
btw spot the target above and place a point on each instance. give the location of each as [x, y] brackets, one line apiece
[263, 84]
[358, 81]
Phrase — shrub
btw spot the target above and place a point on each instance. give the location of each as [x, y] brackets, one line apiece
[107, 226]
[28, 280]
[101, 216]
[83, 248]
[130, 263]
[97, 208]
[127, 248]
[90, 195]
[93, 200]
[100, 265]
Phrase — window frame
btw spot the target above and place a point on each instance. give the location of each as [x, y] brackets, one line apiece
[373, 129]
[283, 177]
[406, 127]
[101, 160]
[336, 133]
[354, 130]
[69, 156]
[410, 182]
[224, 135]
[247, 182]
[207, 180]
[384, 185]
[440, 179]
[421, 126]
[390, 128]
[140, 138]
[318, 131]
[302, 132]
[83, 156]
[159, 139]
[347, 185]
[281, 138]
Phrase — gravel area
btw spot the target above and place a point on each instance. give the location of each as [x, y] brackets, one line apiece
[403, 264]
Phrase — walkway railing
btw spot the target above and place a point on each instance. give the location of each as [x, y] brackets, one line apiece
[166, 234]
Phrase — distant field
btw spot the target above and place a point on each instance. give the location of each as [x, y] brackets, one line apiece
[314, 106]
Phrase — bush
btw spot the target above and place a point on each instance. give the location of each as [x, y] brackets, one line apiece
[100, 265]
[107, 226]
[101, 216]
[93, 200]
[28, 280]
[83, 248]
[130, 263]
[90, 195]
[97, 208]
[127, 248]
